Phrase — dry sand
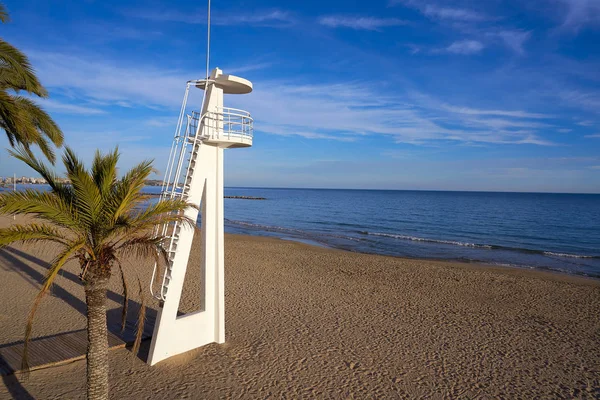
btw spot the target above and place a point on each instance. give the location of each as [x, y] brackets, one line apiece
[309, 322]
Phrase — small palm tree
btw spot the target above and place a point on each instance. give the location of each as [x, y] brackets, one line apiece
[24, 122]
[95, 220]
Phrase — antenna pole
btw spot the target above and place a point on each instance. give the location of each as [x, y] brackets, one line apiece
[207, 57]
[208, 45]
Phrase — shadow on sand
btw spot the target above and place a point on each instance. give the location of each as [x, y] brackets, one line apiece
[13, 259]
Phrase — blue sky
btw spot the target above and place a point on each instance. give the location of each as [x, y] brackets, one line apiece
[398, 94]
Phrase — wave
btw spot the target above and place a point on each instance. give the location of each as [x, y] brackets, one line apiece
[263, 227]
[291, 231]
[420, 239]
[550, 253]
[479, 246]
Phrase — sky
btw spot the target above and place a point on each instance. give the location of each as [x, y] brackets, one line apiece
[394, 94]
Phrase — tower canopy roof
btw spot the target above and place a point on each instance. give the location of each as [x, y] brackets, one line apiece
[230, 84]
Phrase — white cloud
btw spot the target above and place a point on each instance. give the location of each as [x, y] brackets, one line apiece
[585, 123]
[596, 136]
[247, 68]
[588, 100]
[360, 23]
[434, 10]
[447, 13]
[264, 18]
[109, 82]
[514, 39]
[337, 112]
[66, 108]
[160, 122]
[465, 47]
[503, 113]
[580, 13]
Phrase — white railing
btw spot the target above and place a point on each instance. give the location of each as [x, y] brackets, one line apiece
[225, 123]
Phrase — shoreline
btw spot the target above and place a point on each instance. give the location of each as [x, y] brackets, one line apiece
[466, 264]
[475, 263]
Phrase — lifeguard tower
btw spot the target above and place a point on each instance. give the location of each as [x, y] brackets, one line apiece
[195, 173]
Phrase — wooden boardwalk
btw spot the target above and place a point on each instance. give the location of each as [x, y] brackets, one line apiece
[64, 347]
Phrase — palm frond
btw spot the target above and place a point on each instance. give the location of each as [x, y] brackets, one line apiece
[13, 58]
[30, 234]
[4, 13]
[104, 171]
[40, 119]
[87, 197]
[14, 122]
[127, 194]
[45, 205]
[46, 149]
[145, 246]
[161, 211]
[55, 267]
[25, 155]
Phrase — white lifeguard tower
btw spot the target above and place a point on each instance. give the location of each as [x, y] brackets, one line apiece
[195, 173]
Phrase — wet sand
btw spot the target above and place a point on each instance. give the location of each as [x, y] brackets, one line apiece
[310, 322]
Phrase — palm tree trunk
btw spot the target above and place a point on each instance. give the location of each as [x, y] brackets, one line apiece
[97, 351]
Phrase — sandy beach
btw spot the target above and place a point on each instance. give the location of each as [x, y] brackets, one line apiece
[311, 322]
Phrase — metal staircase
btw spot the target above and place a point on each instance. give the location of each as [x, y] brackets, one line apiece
[223, 126]
[176, 184]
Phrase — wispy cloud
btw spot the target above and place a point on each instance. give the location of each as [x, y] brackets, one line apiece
[109, 83]
[264, 18]
[66, 108]
[248, 67]
[584, 99]
[585, 123]
[580, 13]
[502, 113]
[513, 39]
[161, 122]
[109, 32]
[465, 47]
[440, 12]
[334, 112]
[359, 23]
[596, 136]
[486, 28]
[455, 14]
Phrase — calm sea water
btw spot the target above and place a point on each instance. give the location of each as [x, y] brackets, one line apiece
[547, 231]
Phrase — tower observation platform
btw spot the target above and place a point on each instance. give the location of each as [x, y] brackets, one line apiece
[223, 126]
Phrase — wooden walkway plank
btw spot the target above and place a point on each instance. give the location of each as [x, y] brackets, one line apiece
[65, 347]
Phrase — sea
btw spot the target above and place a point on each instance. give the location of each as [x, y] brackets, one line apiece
[558, 232]
[547, 231]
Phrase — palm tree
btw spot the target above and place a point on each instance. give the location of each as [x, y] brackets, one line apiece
[95, 220]
[24, 122]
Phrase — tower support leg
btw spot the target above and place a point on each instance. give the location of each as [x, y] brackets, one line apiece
[176, 334]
